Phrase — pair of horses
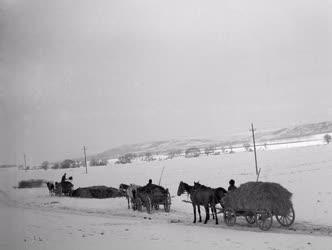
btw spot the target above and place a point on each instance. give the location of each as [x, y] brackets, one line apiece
[60, 188]
[201, 195]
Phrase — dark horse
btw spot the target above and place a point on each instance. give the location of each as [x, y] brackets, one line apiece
[199, 197]
[50, 186]
[219, 192]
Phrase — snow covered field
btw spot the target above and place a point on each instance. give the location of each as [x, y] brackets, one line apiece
[33, 220]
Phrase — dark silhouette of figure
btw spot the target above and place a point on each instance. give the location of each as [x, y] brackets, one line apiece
[150, 182]
[232, 186]
[51, 188]
[64, 178]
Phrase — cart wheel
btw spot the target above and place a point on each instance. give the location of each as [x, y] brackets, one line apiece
[287, 220]
[148, 204]
[264, 219]
[139, 204]
[168, 202]
[229, 216]
[251, 219]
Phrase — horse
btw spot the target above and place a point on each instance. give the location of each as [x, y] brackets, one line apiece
[219, 194]
[131, 193]
[57, 189]
[200, 196]
[123, 189]
[50, 186]
[65, 188]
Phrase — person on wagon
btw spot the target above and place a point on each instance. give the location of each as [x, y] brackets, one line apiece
[64, 178]
[232, 186]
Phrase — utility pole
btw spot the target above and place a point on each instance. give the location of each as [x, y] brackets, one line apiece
[25, 162]
[86, 165]
[161, 175]
[258, 171]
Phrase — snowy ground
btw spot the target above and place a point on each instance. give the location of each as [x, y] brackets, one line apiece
[30, 219]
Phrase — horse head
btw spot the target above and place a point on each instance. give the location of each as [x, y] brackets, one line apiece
[197, 184]
[123, 187]
[180, 188]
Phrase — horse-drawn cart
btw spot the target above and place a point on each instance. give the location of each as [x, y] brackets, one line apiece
[151, 196]
[258, 202]
[63, 188]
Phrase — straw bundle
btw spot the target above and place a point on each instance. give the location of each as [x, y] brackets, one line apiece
[99, 192]
[33, 183]
[260, 195]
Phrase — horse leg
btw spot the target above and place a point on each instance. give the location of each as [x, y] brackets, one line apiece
[215, 212]
[207, 215]
[212, 212]
[199, 213]
[194, 207]
[128, 202]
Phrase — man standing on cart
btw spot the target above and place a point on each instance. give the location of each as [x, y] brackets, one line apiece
[232, 186]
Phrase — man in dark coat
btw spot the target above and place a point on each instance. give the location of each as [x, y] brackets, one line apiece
[64, 178]
[232, 186]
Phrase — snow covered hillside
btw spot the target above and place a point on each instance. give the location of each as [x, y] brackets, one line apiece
[295, 136]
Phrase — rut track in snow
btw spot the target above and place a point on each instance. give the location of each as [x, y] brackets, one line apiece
[179, 217]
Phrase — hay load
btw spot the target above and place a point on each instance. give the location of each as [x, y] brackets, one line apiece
[260, 195]
[99, 192]
[32, 183]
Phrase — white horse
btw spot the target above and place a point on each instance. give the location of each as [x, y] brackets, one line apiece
[131, 192]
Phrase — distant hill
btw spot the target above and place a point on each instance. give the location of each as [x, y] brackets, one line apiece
[295, 132]
[298, 131]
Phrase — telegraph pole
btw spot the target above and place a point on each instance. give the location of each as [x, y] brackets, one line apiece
[161, 175]
[86, 165]
[258, 171]
[25, 162]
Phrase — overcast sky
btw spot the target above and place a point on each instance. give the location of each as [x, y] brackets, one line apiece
[105, 73]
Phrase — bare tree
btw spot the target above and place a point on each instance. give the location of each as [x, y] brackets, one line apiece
[209, 150]
[44, 165]
[174, 153]
[223, 149]
[327, 138]
[149, 157]
[56, 165]
[126, 158]
[192, 152]
[99, 162]
[246, 146]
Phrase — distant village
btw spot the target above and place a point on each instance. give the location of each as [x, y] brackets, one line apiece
[191, 152]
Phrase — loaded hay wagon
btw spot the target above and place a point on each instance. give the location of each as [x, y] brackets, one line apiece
[151, 196]
[258, 202]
